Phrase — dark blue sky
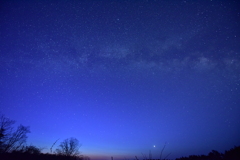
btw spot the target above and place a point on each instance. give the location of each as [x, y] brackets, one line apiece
[123, 76]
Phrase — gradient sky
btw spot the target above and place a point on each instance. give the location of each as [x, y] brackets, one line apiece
[122, 76]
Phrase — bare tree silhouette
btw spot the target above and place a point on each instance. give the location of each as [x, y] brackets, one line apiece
[163, 150]
[69, 147]
[53, 145]
[11, 140]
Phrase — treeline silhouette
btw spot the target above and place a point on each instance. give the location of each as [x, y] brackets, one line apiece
[232, 154]
[33, 156]
[13, 147]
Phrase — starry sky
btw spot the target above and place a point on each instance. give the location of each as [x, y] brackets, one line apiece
[123, 76]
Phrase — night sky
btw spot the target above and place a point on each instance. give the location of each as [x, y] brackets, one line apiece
[123, 75]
